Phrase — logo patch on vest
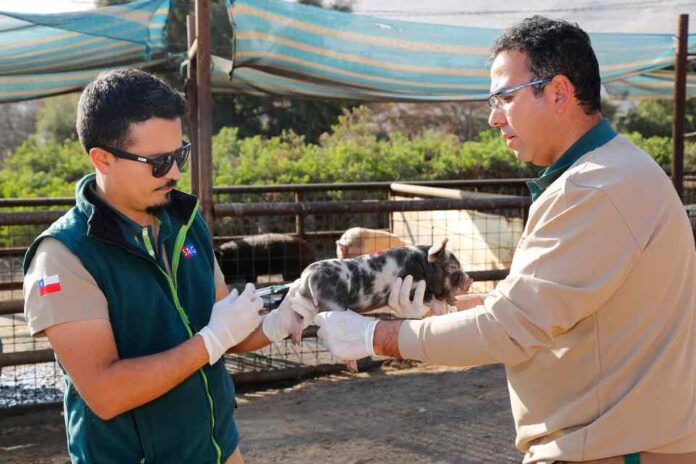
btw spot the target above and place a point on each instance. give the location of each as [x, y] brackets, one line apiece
[49, 284]
[188, 250]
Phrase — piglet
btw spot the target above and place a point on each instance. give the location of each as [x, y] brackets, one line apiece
[363, 283]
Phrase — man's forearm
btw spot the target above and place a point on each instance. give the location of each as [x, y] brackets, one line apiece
[129, 383]
[386, 339]
[257, 339]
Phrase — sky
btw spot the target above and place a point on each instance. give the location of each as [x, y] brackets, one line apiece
[45, 6]
[654, 16]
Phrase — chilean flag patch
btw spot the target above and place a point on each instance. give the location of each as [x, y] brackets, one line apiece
[50, 284]
[189, 251]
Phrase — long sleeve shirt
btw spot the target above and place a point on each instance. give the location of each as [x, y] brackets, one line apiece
[596, 322]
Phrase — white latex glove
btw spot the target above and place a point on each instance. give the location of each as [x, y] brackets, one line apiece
[294, 314]
[348, 335]
[400, 302]
[232, 320]
[305, 308]
[281, 322]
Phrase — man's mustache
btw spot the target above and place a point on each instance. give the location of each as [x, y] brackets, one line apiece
[170, 183]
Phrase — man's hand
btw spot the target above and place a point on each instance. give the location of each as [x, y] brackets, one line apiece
[233, 318]
[402, 305]
[294, 314]
[348, 335]
[306, 310]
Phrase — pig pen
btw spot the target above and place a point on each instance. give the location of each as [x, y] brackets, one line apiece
[281, 228]
[316, 216]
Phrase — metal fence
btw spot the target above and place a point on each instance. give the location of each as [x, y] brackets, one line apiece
[268, 234]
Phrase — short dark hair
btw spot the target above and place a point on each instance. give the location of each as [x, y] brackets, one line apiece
[556, 47]
[116, 99]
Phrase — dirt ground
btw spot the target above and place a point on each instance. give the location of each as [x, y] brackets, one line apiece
[388, 415]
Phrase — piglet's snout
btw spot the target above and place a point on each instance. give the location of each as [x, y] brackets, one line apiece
[462, 283]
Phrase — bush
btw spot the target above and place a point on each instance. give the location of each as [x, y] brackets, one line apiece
[355, 150]
[48, 169]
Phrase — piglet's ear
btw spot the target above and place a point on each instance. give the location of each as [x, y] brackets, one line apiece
[436, 251]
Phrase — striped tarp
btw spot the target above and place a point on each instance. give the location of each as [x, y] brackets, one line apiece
[653, 85]
[48, 54]
[291, 49]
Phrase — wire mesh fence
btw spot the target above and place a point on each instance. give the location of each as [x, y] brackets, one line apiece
[269, 235]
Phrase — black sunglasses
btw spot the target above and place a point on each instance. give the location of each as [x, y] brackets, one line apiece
[161, 164]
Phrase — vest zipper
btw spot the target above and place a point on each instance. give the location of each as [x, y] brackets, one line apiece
[178, 244]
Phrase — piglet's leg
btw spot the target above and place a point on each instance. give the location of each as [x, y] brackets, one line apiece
[304, 309]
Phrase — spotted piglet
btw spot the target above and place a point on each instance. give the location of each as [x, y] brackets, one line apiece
[363, 283]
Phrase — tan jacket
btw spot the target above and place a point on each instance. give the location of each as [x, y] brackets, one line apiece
[596, 322]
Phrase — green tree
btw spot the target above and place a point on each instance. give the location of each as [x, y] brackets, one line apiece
[17, 122]
[43, 169]
[55, 119]
[610, 111]
[654, 117]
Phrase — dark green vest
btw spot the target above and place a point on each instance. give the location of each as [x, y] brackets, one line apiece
[149, 313]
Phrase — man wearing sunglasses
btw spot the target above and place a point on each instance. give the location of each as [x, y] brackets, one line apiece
[127, 290]
[595, 323]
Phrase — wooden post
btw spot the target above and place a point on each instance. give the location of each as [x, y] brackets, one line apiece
[192, 100]
[299, 218]
[203, 65]
[679, 105]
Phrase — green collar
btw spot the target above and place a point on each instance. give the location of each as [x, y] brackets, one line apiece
[600, 134]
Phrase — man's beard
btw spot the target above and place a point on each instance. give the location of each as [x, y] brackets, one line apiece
[157, 207]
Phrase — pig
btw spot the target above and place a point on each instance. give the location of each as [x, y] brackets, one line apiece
[363, 283]
[247, 258]
[358, 241]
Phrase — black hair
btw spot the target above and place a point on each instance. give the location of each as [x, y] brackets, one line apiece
[116, 99]
[556, 47]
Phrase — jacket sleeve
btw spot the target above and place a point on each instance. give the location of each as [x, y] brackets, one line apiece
[575, 254]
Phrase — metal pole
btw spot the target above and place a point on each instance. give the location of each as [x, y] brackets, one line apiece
[205, 175]
[455, 194]
[192, 99]
[353, 207]
[679, 105]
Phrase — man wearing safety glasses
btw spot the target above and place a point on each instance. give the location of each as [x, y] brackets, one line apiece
[595, 323]
[127, 290]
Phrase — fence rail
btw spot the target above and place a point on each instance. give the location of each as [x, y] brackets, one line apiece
[316, 221]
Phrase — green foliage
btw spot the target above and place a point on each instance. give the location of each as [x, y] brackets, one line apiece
[47, 169]
[55, 119]
[654, 117]
[660, 148]
[610, 110]
[355, 150]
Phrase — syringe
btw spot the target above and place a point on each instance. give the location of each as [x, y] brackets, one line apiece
[265, 291]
